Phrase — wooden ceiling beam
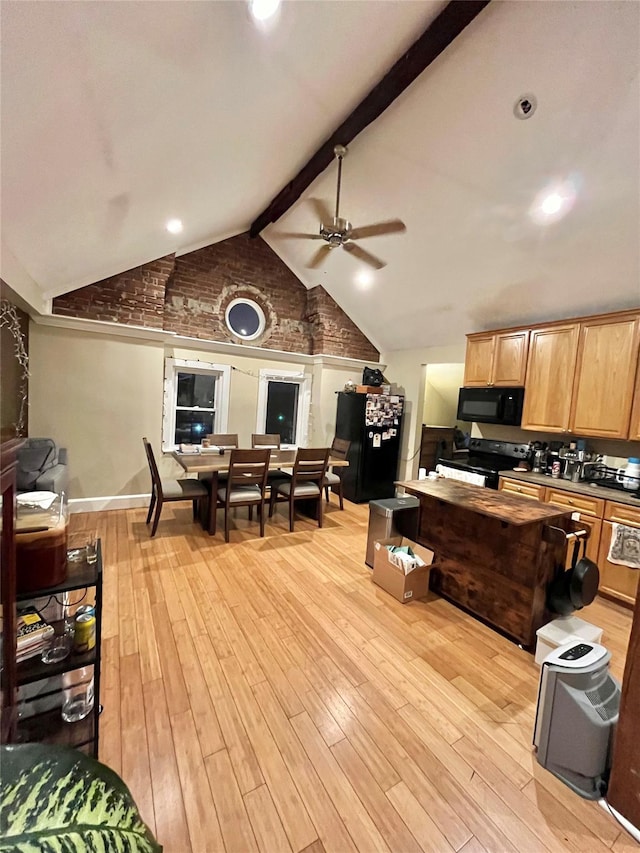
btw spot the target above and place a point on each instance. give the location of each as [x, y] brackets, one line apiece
[434, 40]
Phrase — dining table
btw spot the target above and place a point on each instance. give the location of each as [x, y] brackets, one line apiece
[209, 463]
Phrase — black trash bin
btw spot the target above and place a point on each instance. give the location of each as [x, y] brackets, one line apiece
[391, 517]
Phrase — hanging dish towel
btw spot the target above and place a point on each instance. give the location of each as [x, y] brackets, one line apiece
[625, 546]
[461, 476]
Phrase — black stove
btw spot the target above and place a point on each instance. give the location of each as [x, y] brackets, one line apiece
[487, 457]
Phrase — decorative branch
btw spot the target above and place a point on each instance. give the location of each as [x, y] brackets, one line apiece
[10, 319]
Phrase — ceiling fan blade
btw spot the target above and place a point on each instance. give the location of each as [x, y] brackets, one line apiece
[363, 255]
[322, 211]
[298, 235]
[319, 256]
[391, 226]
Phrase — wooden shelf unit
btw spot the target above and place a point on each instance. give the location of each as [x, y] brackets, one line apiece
[48, 726]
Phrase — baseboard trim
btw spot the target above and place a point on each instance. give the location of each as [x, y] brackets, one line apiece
[108, 502]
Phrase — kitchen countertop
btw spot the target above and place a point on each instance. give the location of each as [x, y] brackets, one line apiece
[617, 495]
[504, 507]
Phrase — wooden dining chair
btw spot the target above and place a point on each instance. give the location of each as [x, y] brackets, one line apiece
[306, 482]
[339, 450]
[228, 440]
[266, 439]
[271, 440]
[163, 491]
[246, 485]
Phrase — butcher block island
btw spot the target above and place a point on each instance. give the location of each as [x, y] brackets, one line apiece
[495, 553]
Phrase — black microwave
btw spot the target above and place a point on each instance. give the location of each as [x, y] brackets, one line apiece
[491, 405]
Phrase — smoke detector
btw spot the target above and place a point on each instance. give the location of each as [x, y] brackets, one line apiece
[525, 106]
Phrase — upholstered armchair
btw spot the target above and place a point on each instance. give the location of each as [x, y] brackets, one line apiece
[42, 467]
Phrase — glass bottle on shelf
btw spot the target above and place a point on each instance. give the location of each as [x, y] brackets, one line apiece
[77, 694]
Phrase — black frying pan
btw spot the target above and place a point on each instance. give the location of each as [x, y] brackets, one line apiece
[574, 589]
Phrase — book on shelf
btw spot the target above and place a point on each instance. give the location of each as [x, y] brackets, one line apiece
[33, 633]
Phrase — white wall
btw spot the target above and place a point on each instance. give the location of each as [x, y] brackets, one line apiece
[407, 370]
[326, 382]
[99, 394]
[442, 384]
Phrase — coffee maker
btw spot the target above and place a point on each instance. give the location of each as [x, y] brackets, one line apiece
[539, 462]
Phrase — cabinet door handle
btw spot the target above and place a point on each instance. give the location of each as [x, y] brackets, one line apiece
[629, 521]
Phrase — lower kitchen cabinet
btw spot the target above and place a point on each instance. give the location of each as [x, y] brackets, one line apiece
[590, 511]
[619, 583]
[525, 490]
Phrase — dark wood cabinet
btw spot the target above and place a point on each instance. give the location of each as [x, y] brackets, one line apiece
[435, 442]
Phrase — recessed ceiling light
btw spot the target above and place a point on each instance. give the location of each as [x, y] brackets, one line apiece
[263, 9]
[554, 201]
[174, 226]
[364, 279]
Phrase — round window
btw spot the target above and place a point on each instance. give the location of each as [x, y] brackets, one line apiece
[245, 319]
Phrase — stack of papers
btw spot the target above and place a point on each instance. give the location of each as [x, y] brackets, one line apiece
[34, 634]
[402, 557]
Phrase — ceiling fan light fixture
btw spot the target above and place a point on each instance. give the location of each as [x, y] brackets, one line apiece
[341, 234]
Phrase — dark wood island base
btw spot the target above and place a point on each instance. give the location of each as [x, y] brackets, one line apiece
[495, 553]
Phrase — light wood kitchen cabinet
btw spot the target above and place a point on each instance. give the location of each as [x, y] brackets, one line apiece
[617, 582]
[498, 359]
[593, 542]
[634, 429]
[605, 376]
[525, 490]
[549, 381]
[590, 512]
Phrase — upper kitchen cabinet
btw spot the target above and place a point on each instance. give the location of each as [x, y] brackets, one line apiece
[634, 429]
[605, 376]
[498, 358]
[553, 351]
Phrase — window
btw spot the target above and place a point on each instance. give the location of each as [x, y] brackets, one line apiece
[283, 406]
[245, 319]
[196, 401]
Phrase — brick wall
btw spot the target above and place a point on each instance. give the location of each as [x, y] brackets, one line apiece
[188, 295]
[333, 331]
[135, 297]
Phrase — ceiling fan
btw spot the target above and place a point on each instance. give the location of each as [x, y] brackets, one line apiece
[339, 233]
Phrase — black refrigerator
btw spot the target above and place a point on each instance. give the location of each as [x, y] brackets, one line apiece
[372, 423]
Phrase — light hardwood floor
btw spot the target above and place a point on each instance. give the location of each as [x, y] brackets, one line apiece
[265, 695]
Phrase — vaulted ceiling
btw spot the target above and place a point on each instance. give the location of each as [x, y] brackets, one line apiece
[119, 116]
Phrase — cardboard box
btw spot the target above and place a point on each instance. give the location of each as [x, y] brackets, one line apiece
[368, 389]
[392, 578]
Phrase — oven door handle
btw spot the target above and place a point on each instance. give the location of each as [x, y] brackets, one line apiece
[501, 406]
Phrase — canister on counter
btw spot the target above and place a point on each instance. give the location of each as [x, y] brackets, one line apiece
[84, 637]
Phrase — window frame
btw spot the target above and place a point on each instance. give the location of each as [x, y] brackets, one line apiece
[174, 366]
[295, 377]
[262, 319]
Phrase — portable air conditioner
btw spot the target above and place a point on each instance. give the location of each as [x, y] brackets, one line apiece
[576, 716]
